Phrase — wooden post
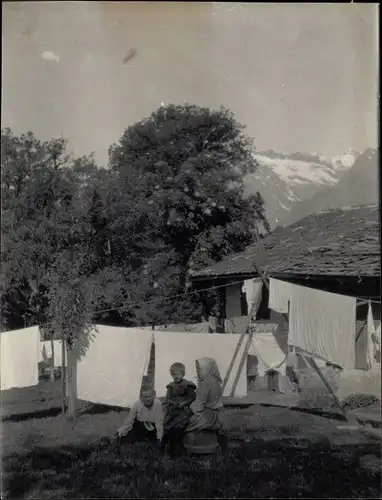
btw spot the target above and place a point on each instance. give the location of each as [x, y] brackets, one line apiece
[221, 310]
[52, 377]
[63, 395]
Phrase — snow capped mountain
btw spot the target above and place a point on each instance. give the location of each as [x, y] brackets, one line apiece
[358, 185]
[286, 179]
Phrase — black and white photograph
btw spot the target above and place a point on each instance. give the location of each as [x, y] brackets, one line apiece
[190, 250]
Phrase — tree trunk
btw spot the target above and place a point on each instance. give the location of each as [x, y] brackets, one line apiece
[63, 377]
[69, 384]
[52, 377]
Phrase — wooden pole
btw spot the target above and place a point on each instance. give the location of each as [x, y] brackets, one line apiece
[326, 383]
[221, 310]
[229, 371]
[245, 353]
[241, 365]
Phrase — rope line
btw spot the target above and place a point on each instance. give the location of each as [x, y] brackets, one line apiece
[180, 295]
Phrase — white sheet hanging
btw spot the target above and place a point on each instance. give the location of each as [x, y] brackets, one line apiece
[57, 357]
[253, 291]
[112, 369]
[377, 339]
[370, 349]
[279, 295]
[185, 348]
[323, 324]
[269, 354]
[20, 353]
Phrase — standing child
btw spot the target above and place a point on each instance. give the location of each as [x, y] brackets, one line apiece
[180, 395]
[144, 421]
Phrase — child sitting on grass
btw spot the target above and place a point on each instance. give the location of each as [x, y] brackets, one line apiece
[144, 421]
[180, 395]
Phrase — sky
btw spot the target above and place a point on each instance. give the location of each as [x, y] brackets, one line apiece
[300, 77]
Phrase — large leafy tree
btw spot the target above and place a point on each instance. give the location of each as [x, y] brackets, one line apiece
[183, 170]
[51, 223]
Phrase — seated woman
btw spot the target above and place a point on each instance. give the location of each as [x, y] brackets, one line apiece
[207, 406]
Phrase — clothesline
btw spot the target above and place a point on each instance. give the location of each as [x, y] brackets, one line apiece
[211, 288]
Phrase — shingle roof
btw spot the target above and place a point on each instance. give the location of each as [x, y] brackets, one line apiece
[336, 242]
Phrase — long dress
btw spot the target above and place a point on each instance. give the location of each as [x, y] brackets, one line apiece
[176, 406]
[207, 405]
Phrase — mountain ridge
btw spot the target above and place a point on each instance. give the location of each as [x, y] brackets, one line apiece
[285, 180]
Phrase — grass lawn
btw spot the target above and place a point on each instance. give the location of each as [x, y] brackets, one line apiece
[274, 452]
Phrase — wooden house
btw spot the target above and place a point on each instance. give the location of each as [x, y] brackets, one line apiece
[336, 251]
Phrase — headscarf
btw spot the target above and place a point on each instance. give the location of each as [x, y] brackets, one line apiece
[209, 367]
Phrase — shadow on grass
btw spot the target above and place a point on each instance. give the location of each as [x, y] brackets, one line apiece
[287, 468]
[20, 417]
[54, 411]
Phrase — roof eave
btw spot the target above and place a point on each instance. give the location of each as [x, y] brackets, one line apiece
[297, 276]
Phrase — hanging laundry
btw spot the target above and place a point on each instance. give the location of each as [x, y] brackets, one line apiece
[113, 366]
[279, 295]
[236, 325]
[323, 324]
[20, 352]
[212, 323]
[184, 348]
[43, 357]
[181, 327]
[253, 290]
[269, 354]
[57, 357]
[377, 340]
[184, 327]
[48, 349]
[370, 349]
[45, 351]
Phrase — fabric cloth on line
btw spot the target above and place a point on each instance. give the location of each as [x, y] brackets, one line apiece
[377, 340]
[113, 366]
[269, 354]
[253, 290]
[57, 354]
[184, 348]
[152, 418]
[207, 405]
[323, 324]
[370, 349]
[45, 351]
[238, 324]
[20, 353]
[279, 295]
